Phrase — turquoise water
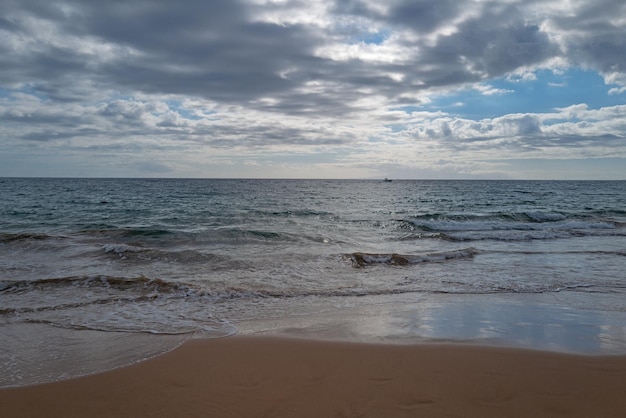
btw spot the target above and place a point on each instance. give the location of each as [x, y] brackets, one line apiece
[180, 258]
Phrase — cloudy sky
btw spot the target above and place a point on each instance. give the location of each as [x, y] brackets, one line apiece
[310, 88]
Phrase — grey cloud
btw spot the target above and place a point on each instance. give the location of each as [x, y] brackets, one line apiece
[594, 36]
[8, 25]
[354, 8]
[213, 50]
[492, 45]
[526, 125]
[151, 25]
[606, 52]
[424, 15]
[124, 109]
[237, 69]
[59, 133]
[591, 16]
[207, 49]
[421, 16]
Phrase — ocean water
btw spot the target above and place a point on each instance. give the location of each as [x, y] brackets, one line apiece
[96, 273]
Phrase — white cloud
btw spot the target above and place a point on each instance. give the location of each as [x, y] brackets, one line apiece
[487, 90]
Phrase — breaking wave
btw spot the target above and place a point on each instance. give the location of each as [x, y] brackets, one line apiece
[115, 304]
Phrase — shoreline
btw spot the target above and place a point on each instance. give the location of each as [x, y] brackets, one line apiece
[37, 353]
[285, 376]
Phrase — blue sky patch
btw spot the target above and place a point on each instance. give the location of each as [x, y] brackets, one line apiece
[375, 38]
[545, 93]
[177, 107]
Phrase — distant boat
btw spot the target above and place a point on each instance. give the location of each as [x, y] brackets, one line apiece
[387, 180]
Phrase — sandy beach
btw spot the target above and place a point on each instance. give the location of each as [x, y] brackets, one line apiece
[252, 376]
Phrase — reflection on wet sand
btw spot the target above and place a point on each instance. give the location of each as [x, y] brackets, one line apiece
[525, 321]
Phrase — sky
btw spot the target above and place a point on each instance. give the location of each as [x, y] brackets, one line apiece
[494, 89]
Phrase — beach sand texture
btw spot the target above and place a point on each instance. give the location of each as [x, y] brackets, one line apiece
[252, 376]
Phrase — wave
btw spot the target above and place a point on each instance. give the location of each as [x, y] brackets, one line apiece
[360, 259]
[110, 282]
[25, 236]
[174, 236]
[620, 253]
[114, 232]
[528, 235]
[490, 224]
[139, 254]
[243, 234]
[294, 213]
[508, 227]
[116, 304]
[521, 217]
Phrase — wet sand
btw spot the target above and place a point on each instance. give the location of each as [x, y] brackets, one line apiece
[252, 376]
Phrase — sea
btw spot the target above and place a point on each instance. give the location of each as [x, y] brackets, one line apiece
[101, 273]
